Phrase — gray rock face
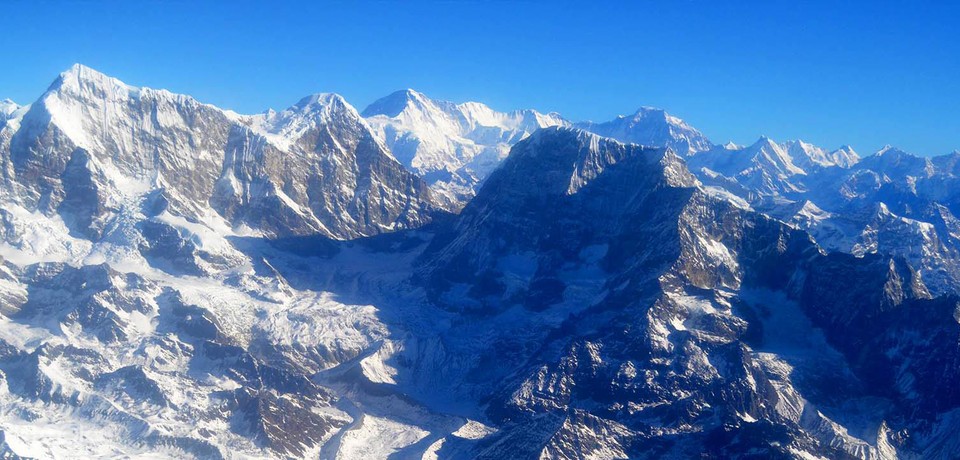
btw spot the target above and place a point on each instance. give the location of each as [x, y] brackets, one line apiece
[180, 281]
[91, 146]
[334, 177]
[683, 348]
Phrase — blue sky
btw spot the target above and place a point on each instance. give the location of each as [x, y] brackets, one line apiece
[864, 74]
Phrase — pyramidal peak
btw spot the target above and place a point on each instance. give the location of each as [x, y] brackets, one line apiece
[82, 79]
[395, 103]
[766, 143]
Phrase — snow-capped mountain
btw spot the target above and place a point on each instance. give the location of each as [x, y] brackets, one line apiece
[93, 146]
[181, 281]
[653, 127]
[7, 109]
[764, 168]
[722, 332]
[808, 156]
[453, 146]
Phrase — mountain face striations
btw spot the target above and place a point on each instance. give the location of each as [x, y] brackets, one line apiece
[444, 281]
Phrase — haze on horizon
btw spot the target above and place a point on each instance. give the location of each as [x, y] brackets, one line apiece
[859, 74]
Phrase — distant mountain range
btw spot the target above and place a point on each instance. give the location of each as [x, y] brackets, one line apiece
[425, 279]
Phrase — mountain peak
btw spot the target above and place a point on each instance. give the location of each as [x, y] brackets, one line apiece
[647, 110]
[78, 68]
[893, 152]
[887, 149]
[845, 156]
[654, 127]
[80, 85]
[584, 155]
[282, 127]
[7, 107]
[765, 141]
[321, 100]
[395, 103]
[79, 77]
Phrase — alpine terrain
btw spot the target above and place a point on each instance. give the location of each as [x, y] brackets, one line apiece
[434, 280]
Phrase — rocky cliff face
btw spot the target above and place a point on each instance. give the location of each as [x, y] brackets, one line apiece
[92, 147]
[180, 281]
[317, 168]
[711, 329]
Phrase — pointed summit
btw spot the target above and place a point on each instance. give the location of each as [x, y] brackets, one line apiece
[394, 103]
[763, 140]
[285, 127]
[80, 79]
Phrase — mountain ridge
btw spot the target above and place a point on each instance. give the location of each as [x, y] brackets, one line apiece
[178, 280]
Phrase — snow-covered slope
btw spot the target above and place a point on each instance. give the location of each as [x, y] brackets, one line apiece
[453, 146]
[180, 281]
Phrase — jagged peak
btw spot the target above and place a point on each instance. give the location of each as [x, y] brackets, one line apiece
[847, 150]
[585, 138]
[322, 101]
[588, 145]
[799, 143]
[7, 108]
[558, 132]
[845, 156]
[646, 110]
[315, 108]
[282, 128]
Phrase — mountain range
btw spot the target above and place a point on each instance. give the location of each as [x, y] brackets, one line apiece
[427, 279]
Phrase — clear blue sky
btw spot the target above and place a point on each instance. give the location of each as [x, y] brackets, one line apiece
[862, 74]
